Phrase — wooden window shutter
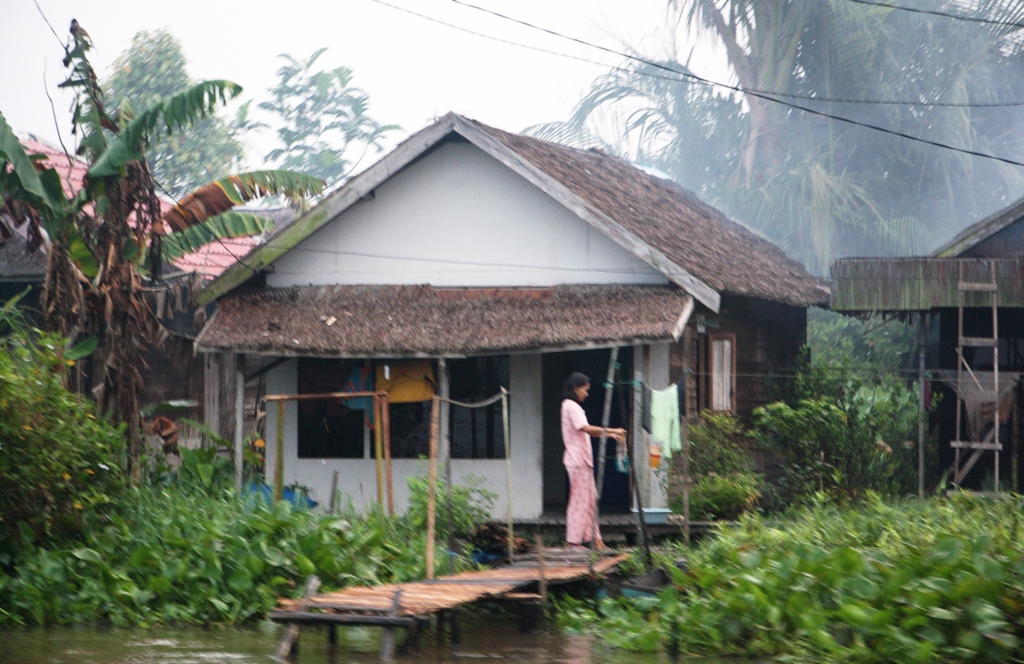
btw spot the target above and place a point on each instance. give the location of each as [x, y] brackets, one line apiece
[723, 372]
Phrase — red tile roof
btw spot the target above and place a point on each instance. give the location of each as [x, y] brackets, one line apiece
[208, 262]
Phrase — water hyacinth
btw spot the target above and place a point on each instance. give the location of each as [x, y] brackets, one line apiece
[936, 580]
[177, 554]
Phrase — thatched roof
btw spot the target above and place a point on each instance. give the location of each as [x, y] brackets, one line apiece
[410, 321]
[695, 246]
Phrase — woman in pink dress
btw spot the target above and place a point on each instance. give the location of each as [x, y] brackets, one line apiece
[580, 523]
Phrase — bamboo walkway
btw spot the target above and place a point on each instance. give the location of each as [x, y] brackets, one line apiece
[418, 598]
[403, 605]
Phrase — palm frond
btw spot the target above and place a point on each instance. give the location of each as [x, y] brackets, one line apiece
[176, 112]
[222, 195]
[220, 227]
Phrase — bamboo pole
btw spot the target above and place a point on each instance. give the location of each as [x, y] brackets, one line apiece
[508, 472]
[385, 424]
[435, 408]
[609, 391]
[378, 450]
[921, 410]
[279, 455]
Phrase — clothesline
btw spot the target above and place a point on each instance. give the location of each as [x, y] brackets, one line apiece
[478, 404]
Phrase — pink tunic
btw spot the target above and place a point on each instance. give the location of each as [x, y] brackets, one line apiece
[577, 443]
[580, 513]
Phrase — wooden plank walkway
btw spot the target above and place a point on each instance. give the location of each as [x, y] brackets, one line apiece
[432, 596]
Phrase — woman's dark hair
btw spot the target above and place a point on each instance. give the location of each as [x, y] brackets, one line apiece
[575, 379]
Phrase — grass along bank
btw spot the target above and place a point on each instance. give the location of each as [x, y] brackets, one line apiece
[923, 581]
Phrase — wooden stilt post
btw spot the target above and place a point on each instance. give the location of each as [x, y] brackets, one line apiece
[538, 543]
[508, 474]
[291, 635]
[921, 411]
[387, 650]
[606, 413]
[279, 455]
[1015, 441]
[435, 408]
[385, 425]
[239, 420]
[378, 447]
[684, 430]
[333, 499]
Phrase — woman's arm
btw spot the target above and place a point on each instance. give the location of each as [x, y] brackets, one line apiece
[616, 434]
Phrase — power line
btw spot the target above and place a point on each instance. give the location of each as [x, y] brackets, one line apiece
[767, 96]
[935, 12]
[700, 79]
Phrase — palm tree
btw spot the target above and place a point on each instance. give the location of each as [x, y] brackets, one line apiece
[823, 188]
[105, 240]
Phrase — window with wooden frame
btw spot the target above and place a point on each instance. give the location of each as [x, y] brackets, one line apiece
[722, 352]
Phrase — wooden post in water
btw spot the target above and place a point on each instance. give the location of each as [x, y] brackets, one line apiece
[435, 408]
[538, 543]
[279, 455]
[387, 650]
[291, 634]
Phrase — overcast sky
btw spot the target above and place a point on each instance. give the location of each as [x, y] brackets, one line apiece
[413, 70]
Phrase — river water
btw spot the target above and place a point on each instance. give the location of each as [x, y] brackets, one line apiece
[491, 637]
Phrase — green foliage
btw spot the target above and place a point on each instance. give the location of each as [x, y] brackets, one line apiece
[468, 506]
[874, 345]
[180, 111]
[184, 554]
[724, 496]
[319, 118]
[844, 442]
[152, 69]
[921, 581]
[721, 468]
[224, 225]
[57, 460]
[716, 445]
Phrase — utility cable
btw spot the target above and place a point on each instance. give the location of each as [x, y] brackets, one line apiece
[767, 96]
[935, 12]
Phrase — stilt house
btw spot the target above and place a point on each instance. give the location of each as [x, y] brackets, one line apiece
[470, 259]
[969, 295]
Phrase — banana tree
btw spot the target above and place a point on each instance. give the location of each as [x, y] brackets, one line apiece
[108, 239]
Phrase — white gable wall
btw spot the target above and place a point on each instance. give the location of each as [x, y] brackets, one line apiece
[458, 217]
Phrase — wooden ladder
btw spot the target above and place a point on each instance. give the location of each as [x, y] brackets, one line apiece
[991, 440]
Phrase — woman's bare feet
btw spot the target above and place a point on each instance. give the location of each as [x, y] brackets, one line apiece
[600, 545]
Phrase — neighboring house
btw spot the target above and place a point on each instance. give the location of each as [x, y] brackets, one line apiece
[975, 281]
[470, 258]
[173, 372]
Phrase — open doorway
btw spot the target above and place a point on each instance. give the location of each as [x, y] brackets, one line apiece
[555, 368]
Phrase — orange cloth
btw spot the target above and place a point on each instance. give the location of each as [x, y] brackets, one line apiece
[409, 381]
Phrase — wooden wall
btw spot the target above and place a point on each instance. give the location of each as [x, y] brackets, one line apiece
[769, 336]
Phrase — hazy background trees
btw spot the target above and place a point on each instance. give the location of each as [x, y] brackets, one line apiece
[822, 188]
[154, 68]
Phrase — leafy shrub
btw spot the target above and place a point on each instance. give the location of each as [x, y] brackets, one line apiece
[57, 460]
[854, 438]
[725, 496]
[470, 505]
[724, 484]
[716, 445]
[921, 581]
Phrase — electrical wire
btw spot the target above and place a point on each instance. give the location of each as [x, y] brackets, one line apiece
[767, 96]
[935, 12]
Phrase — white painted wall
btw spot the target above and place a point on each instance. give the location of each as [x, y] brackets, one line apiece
[458, 217]
[357, 478]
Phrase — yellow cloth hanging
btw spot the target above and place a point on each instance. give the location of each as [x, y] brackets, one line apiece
[408, 381]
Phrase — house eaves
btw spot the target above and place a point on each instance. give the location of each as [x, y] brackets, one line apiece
[408, 151]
